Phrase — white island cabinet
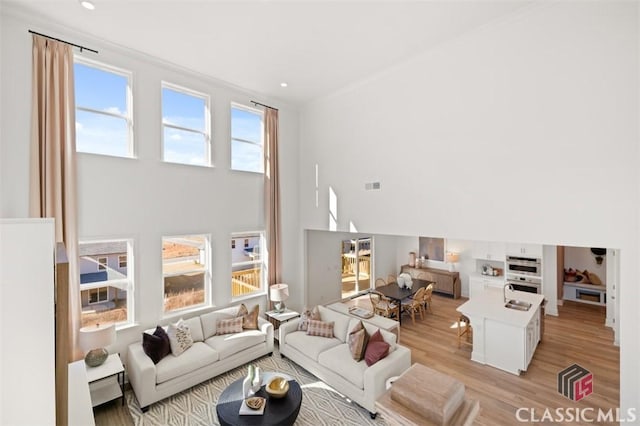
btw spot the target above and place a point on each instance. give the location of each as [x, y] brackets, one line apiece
[502, 337]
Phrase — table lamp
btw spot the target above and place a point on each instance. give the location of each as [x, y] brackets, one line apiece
[279, 293]
[451, 259]
[94, 339]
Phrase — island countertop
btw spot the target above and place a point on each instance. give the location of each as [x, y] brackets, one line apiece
[490, 304]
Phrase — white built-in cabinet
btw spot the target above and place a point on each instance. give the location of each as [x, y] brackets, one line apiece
[488, 250]
[527, 250]
[479, 283]
[27, 351]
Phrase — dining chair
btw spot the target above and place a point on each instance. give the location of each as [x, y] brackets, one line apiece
[391, 279]
[464, 329]
[413, 305]
[383, 306]
[426, 298]
[380, 282]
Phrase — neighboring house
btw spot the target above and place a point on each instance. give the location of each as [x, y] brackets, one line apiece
[244, 249]
[100, 263]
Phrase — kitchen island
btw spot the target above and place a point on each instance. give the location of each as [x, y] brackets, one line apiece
[502, 337]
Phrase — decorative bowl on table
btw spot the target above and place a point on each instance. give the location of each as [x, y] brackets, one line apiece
[277, 387]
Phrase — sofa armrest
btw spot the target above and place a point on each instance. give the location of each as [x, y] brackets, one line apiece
[142, 374]
[267, 328]
[286, 328]
[394, 364]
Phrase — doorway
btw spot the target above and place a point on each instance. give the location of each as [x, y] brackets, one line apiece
[356, 266]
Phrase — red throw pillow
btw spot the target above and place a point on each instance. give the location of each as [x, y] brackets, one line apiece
[375, 352]
[376, 337]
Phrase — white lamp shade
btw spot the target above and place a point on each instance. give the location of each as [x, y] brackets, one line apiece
[97, 336]
[279, 292]
[452, 257]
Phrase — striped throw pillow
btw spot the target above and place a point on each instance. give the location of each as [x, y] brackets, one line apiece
[228, 326]
[320, 328]
[357, 341]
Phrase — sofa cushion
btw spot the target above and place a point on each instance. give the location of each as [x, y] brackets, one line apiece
[338, 359]
[229, 326]
[198, 355]
[229, 344]
[341, 322]
[209, 320]
[156, 345]
[310, 346]
[196, 328]
[179, 337]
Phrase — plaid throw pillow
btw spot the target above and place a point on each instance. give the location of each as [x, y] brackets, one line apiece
[228, 326]
[357, 341]
[320, 328]
[307, 315]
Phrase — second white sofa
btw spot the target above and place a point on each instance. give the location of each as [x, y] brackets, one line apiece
[330, 359]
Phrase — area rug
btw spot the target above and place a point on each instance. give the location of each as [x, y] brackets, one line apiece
[321, 405]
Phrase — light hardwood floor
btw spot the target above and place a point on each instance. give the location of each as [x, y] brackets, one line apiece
[577, 335]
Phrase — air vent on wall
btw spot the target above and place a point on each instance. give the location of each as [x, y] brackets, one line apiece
[371, 186]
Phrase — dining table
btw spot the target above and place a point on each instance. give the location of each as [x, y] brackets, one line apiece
[397, 294]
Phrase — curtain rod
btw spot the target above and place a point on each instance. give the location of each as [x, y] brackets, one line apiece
[65, 42]
[266, 106]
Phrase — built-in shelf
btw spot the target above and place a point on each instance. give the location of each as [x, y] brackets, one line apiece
[585, 293]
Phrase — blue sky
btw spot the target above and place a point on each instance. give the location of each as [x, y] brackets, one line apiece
[105, 91]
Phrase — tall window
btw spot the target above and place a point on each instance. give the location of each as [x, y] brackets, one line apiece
[247, 265]
[186, 272]
[186, 126]
[104, 123]
[247, 152]
[106, 286]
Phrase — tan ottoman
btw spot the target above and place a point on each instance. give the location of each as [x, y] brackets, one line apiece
[425, 396]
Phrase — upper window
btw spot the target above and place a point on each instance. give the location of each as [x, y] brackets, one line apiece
[106, 295]
[186, 272]
[247, 265]
[103, 109]
[186, 126]
[247, 145]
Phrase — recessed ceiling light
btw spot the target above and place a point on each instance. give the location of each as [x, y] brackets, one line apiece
[283, 84]
[88, 5]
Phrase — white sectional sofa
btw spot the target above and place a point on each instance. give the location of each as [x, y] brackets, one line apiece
[330, 360]
[209, 356]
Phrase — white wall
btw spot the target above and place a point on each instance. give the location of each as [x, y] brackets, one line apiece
[144, 198]
[530, 125]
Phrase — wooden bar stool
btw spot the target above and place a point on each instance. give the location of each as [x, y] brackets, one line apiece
[464, 328]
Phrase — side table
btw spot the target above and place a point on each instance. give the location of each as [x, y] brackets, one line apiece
[276, 319]
[106, 381]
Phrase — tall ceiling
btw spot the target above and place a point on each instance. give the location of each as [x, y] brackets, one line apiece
[316, 47]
